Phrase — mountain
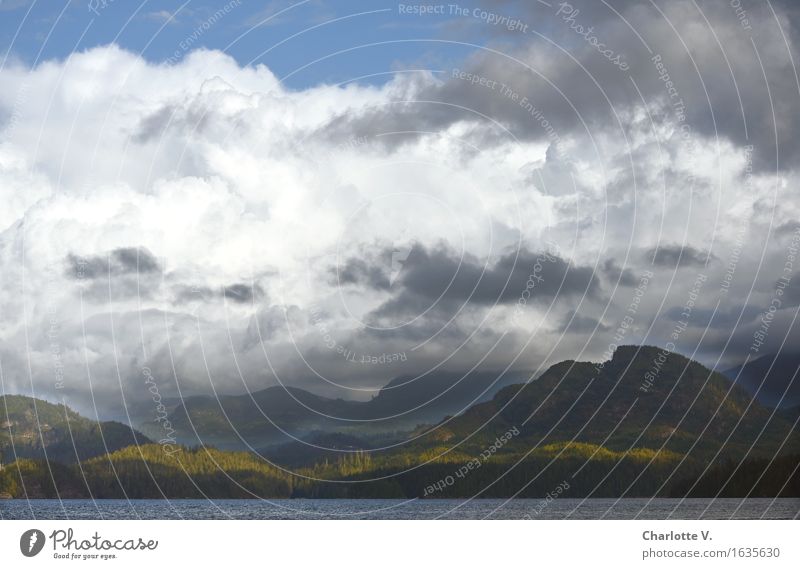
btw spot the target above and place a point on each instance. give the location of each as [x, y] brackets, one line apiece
[277, 414]
[643, 397]
[33, 428]
[778, 372]
[791, 414]
[644, 423]
[430, 397]
[257, 419]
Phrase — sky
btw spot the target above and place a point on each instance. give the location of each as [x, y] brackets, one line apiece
[329, 195]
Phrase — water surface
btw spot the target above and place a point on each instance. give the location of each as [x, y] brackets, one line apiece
[299, 509]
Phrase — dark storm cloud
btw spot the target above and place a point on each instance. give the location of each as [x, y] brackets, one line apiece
[138, 260]
[441, 277]
[130, 272]
[438, 106]
[672, 256]
[729, 89]
[438, 272]
[122, 261]
[242, 293]
[359, 271]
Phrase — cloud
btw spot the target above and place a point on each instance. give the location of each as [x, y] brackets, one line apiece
[726, 319]
[8, 5]
[121, 261]
[440, 273]
[161, 16]
[229, 233]
[616, 274]
[438, 277]
[357, 271]
[673, 256]
[577, 324]
[566, 81]
[242, 293]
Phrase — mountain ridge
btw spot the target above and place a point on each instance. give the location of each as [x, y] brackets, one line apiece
[276, 414]
[772, 379]
[34, 428]
[644, 423]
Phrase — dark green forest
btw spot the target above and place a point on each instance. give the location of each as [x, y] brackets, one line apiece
[588, 471]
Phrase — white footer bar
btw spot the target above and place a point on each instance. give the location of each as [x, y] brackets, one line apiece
[400, 544]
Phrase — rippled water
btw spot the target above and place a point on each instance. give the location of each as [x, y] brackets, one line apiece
[401, 509]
